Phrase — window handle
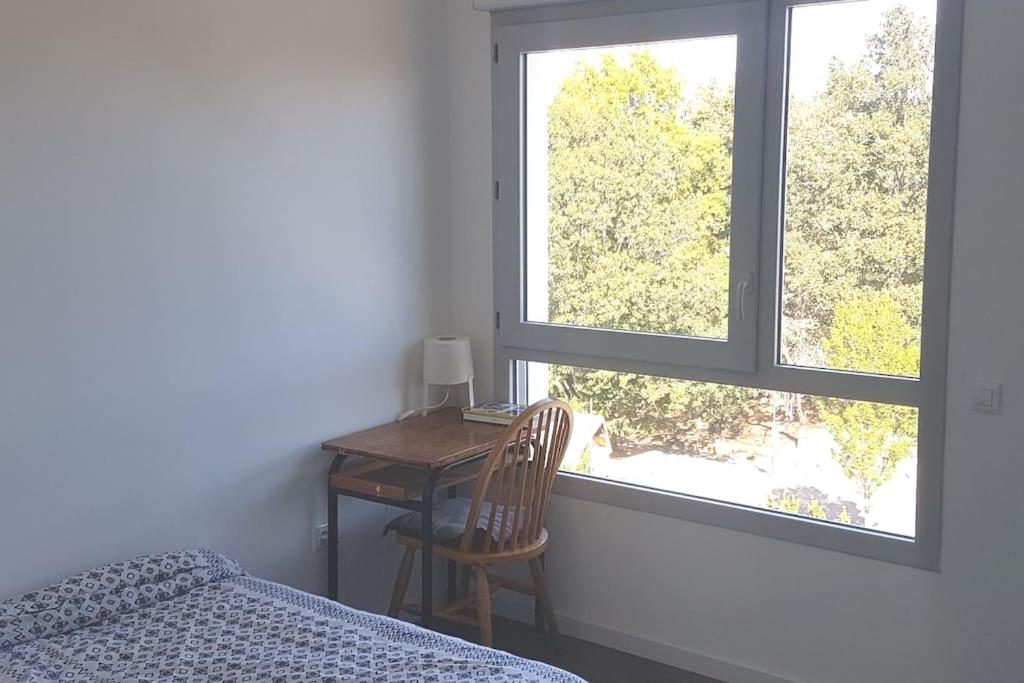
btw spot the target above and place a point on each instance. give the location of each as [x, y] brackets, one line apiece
[743, 287]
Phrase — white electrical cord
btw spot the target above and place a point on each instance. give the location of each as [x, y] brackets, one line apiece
[410, 413]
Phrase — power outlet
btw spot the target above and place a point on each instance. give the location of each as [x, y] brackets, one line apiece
[319, 537]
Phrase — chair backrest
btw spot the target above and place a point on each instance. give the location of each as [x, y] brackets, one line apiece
[515, 483]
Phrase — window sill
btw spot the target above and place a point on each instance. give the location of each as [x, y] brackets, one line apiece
[805, 531]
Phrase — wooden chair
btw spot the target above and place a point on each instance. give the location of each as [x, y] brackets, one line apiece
[505, 520]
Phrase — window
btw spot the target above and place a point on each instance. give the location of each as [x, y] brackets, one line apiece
[634, 188]
[722, 233]
[856, 185]
[622, 161]
[752, 447]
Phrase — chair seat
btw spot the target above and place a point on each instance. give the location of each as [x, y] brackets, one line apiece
[477, 556]
[448, 523]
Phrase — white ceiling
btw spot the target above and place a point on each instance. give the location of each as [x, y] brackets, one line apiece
[494, 5]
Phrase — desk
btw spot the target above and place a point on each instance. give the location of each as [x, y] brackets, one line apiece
[403, 461]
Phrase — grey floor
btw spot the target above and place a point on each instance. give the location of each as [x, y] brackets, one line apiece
[594, 663]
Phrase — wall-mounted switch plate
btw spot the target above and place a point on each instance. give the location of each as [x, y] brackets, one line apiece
[986, 397]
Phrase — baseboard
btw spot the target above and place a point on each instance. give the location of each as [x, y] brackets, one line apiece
[520, 608]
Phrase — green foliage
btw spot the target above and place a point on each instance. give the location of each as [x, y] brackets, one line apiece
[639, 199]
[798, 506]
[795, 505]
[870, 333]
[638, 222]
[871, 438]
[844, 515]
[857, 182]
[638, 406]
[582, 466]
[856, 186]
[785, 503]
[638, 202]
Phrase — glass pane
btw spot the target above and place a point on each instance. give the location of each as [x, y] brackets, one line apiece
[852, 463]
[860, 84]
[628, 186]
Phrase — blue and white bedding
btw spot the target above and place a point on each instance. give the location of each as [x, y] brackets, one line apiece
[195, 616]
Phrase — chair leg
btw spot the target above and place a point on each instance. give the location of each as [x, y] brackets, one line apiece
[540, 587]
[465, 574]
[401, 582]
[483, 602]
[538, 612]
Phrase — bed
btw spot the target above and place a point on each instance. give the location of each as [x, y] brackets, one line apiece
[194, 615]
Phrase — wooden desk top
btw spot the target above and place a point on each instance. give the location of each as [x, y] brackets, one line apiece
[436, 440]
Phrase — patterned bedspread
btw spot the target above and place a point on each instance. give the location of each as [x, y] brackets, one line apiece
[195, 616]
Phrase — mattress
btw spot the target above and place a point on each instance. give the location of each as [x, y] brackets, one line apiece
[194, 615]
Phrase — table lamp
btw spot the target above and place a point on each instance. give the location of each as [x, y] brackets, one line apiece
[447, 360]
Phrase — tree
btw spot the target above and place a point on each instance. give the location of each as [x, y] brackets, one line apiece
[856, 185]
[638, 204]
[795, 505]
[857, 179]
[639, 201]
[871, 439]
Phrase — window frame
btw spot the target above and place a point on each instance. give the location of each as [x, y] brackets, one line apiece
[738, 350]
[516, 342]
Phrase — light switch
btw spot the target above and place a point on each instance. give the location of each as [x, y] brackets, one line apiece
[986, 397]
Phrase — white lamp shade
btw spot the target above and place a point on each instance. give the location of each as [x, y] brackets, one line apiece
[447, 360]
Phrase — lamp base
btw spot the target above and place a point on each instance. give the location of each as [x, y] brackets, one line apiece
[426, 397]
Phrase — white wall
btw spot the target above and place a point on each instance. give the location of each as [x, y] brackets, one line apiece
[223, 230]
[224, 225]
[687, 592]
[472, 294]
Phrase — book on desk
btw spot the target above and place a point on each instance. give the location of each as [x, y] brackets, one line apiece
[494, 413]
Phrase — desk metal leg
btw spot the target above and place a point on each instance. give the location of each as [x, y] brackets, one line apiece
[452, 593]
[332, 529]
[332, 544]
[538, 613]
[427, 561]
